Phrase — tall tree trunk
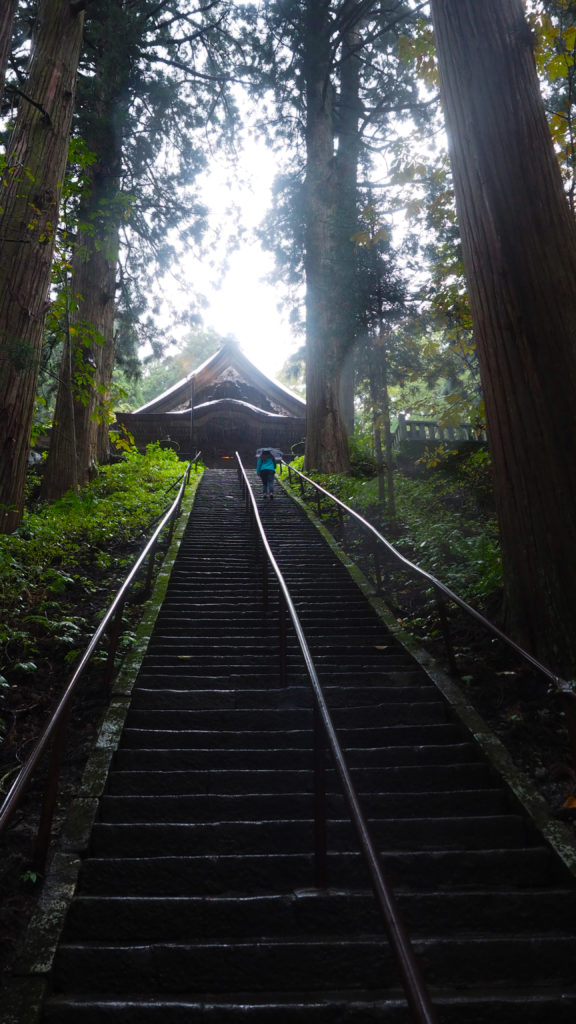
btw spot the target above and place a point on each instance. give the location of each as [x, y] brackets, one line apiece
[346, 214]
[376, 423]
[80, 400]
[388, 441]
[106, 372]
[326, 439]
[61, 470]
[30, 202]
[6, 21]
[519, 245]
[92, 290]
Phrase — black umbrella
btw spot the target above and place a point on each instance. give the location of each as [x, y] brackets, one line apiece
[274, 452]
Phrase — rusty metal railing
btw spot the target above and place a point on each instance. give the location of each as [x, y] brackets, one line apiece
[53, 737]
[325, 735]
[564, 688]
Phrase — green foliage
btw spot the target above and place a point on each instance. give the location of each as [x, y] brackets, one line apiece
[362, 461]
[73, 553]
[442, 523]
[554, 32]
[442, 531]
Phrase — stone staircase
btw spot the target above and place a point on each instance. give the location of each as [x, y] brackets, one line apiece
[196, 899]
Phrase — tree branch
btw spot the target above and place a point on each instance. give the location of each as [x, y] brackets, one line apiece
[33, 103]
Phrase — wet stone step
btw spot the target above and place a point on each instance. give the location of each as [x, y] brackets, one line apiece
[233, 690]
[278, 720]
[318, 963]
[330, 1007]
[297, 836]
[262, 806]
[305, 912]
[173, 758]
[396, 733]
[255, 873]
[274, 739]
[214, 690]
[428, 778]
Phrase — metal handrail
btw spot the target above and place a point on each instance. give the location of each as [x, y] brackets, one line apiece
[564, 687]
[54, 730]
[414, 985]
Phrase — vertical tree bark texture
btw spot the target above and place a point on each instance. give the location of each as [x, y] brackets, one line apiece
[73, 452]
[346, 310]
[519, 245]
[7, 11]
[30, 200]
[106, 371]
[61, 469]
[326, 439]
[92, 288]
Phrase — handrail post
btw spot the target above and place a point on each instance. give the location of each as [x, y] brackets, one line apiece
[377, 567]
[114, 631]
[320, 816]
[172, 522]
[282, 638]
[264, 576]
[445, 628]
[44, 828]
[150, 570]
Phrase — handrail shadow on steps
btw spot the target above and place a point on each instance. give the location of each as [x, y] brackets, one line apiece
[564, 688]
[53, 736]
[324, 733]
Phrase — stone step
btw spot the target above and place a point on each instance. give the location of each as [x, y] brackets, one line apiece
[285, 835]
[319, 962]
[235, 658]
[198, 759]
[280, 719]
[256, 874]
[425, 728]
[264, 807]
[357, 757]
[232, 690]
[398, 734]
[557, 1005]
[307, 911]
[396, 779]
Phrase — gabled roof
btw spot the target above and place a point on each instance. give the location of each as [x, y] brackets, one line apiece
[228, 360]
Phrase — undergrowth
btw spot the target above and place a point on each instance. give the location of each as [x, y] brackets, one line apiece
[58, 570]
[443, 522]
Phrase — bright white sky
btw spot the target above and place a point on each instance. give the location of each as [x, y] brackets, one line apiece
[242, 304]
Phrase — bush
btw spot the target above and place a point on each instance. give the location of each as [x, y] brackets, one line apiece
[440, 523]
[64, 554]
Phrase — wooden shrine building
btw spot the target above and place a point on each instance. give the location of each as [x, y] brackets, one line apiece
[226, 405]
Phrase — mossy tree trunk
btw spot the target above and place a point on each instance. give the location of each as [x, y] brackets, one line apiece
[519, 246]
[326, 437]
[7, 11]
[30, 199]
[88, 359]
